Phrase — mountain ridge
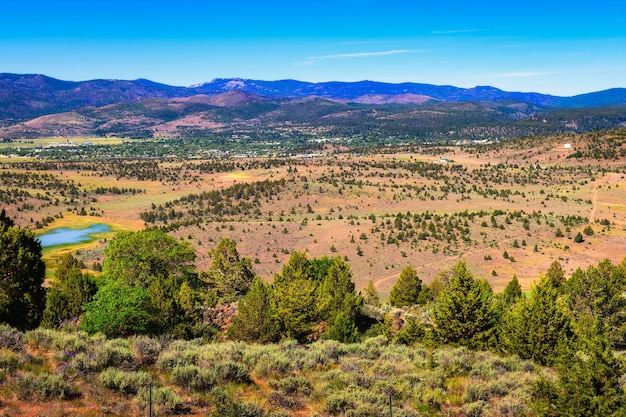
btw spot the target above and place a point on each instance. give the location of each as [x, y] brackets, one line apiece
[26, 96]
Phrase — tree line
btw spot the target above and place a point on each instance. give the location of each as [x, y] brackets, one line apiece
[150, 285]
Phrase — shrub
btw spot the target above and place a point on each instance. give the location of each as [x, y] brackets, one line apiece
[10, 338]
[337, 404]
[145, 349]
[9, 360]
[43, 387]
[282, 400]
[40, 338]
[194, 377]
[164, 400]
[114, 353]
[224, 406]
[277, 364]
[126, 382]
[174, 357]
[231, 372]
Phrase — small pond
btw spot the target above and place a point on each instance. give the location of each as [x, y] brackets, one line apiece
[65, 236]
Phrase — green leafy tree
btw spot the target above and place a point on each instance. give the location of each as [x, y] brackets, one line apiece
[22, 272]
[162, 291]
[407, 290]
[136, 258]
[463, 313]
[70, 291]
[539, 327]
[230, 275]
[255, 321]
[578, 238]
[118, 310]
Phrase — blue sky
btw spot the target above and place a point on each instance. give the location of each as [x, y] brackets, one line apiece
[561, 48]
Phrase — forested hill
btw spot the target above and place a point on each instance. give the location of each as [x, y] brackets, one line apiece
[25, 96]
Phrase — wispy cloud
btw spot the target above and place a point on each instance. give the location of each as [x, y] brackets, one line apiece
[313, 59]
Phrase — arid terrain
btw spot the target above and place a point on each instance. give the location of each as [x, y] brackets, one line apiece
[508, 209]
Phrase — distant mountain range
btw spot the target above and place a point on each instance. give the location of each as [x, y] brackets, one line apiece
[25, 96]
[34, 106]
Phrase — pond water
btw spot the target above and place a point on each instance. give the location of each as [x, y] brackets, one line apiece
[64, 235]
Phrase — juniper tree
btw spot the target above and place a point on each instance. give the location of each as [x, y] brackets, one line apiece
[463, 313]
[407, 290]
[22, 272]
[255, 321]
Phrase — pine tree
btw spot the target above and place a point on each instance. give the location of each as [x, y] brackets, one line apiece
[407, 289]
[255, 321]
[556, 275]
[597, 294]
[463, 312]
[512, 292]
[344, 330]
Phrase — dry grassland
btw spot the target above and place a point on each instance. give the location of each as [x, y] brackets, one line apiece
[487, 201]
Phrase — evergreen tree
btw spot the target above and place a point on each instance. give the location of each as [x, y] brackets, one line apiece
[371, 296]
[588, 382]
[539, 327]
[294, 294]
[22, 272]
[463, 313]
[597, 294]
[512, 292]
[255, 321]
[406, 291]
[229, 276]
[70, 291]
[344, 329]
[336, 294]
[556, 275]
